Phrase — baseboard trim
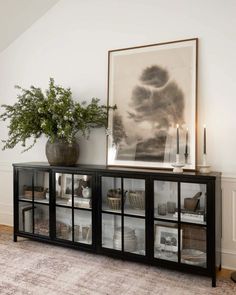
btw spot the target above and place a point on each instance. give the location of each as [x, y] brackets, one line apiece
[228, 259]
[6, 219]
[6, 214]
[228, 252]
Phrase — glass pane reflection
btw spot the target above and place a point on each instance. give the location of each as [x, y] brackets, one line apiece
[111, 228]
[165, 200]
[194, 245]
[166, 241]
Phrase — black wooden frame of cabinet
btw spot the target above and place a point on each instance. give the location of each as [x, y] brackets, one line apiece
[213, 219]
[147, 218]
[93, 210]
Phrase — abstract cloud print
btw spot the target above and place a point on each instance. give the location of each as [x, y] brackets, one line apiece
[152, 98]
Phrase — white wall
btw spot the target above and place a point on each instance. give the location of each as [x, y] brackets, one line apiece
[22, 14]
[70, 43]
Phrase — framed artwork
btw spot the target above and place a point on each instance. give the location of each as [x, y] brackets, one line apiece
[170, 234]
[66, 186]
[80, 182]
[154, 88]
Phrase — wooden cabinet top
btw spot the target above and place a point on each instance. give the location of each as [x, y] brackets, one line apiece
[126, 170]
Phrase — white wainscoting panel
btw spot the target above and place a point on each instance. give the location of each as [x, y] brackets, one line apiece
[229, 222]
[234, 215]
[228, 211]
[6, 193]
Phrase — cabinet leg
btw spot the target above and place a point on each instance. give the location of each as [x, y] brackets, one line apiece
[214, 281]
[15, 238]
[220, 267]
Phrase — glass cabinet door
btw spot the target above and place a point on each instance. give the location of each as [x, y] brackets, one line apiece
[111, 231]
[166, 241]
[194, 246]
[33, 201]
[74, 190]
[166, 200]
[193, 203]
[193, 198]
[74, 207]
[180, 233]
[134, 203]
[112, 194]
[166, 229]
[25, 185]
[64, 223]
[82, 226]
[134, 235]
[123, 214]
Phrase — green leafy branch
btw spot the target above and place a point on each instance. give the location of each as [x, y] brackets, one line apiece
[54, 114]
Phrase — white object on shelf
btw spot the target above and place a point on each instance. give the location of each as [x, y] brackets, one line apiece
[193, 257]
[86, 192]
[178, 166]
[80, 202]
[190, 216]
[204, 168]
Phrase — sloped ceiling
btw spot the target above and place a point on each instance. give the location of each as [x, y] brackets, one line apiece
[16, 16]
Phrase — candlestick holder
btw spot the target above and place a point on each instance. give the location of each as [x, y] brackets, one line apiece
[178, 166]
[204, 168]
[186, 158]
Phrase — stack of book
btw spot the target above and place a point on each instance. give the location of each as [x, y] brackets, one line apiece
[195, 216]
[81, 202]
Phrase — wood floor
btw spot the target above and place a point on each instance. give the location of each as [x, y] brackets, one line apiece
[224, 273]
[6, 229]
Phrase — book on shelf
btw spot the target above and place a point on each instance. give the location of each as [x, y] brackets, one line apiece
[198, 215]
[82, 202]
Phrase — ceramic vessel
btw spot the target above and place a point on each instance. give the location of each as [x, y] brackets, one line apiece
[61, 153]
[86, 192]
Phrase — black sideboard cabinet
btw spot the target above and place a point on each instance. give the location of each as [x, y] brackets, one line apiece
[159, 218]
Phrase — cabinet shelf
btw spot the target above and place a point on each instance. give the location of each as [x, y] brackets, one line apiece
[65, 203]
[168, 217]
[124, 214]
[38, 201]
[173, 226]
[127, 211]
[193, 223]
[75, 208]
[107, 244]
[25, 200]
[166, 220]
[165, 256]
[174, 219]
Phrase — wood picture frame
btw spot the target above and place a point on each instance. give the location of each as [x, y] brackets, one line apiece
[154, 88]
[161, 232]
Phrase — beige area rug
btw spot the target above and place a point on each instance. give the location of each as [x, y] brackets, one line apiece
[29, 267]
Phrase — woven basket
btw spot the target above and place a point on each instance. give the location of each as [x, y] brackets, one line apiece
[114, 193]
[39, 193]
[63, 231]
[114, 203]
[137, 199]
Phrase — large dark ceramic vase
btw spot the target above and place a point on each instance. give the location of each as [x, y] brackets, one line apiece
[61, 153]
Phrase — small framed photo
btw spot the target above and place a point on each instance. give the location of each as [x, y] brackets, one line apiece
[170, 234]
